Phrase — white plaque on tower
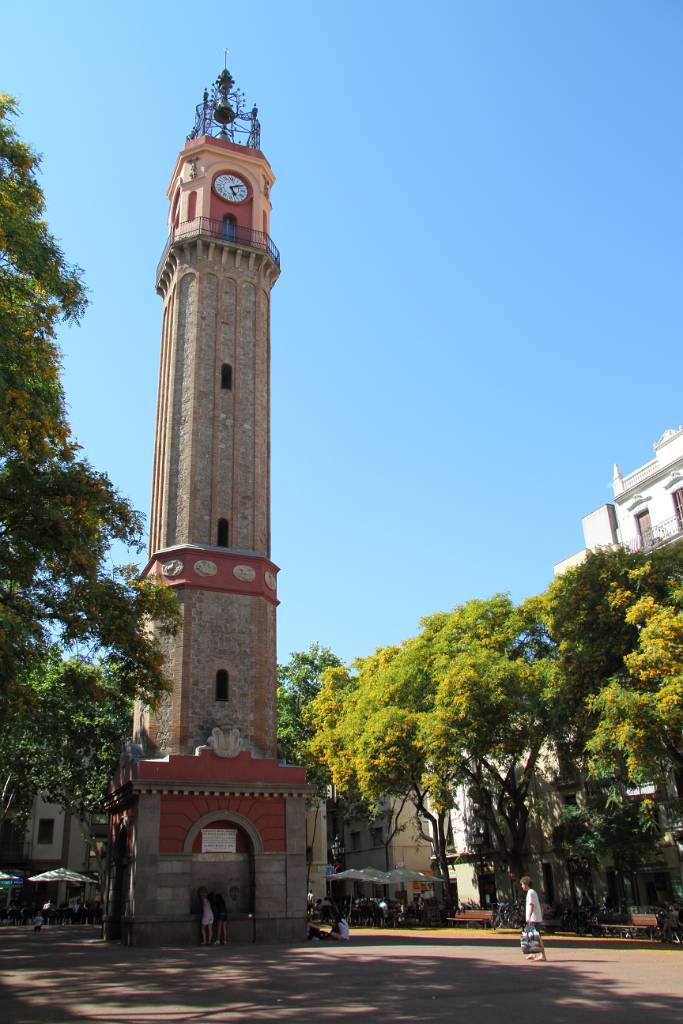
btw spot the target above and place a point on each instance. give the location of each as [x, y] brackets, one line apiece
[219, 840]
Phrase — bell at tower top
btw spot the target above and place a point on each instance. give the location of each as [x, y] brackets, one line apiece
[223, 114]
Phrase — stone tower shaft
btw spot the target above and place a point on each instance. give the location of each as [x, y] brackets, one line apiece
[212, 451]
[210, 517]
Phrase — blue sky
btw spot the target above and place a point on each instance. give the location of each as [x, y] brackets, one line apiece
[479, 212]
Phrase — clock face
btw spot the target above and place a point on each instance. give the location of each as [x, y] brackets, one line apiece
[230, 187]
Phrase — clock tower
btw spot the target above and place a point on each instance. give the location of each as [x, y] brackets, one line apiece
[210, 520]
[201, 799]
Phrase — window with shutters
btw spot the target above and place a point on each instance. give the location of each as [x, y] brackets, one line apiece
[678, 506]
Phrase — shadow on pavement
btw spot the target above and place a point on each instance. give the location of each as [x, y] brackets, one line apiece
[50, 978]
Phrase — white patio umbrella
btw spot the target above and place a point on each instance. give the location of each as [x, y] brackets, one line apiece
[62, 875]
[360, 875]
[8, 876]
[406, 875]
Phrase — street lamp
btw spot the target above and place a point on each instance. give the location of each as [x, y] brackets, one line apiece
[338, 849]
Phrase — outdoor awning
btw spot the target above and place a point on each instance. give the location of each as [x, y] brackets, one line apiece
[406, 875]
[62, 875]
[393, 877]
[360, 875]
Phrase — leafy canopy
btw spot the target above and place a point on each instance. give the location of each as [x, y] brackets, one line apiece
[58, 516]
[618, 620]
[299, 682]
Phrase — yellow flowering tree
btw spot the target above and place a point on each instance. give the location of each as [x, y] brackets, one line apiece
[618, 623]
[464, 701]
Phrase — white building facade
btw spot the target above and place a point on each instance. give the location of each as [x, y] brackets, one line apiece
[647, 510]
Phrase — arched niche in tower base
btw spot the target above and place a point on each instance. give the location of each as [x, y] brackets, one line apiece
[232, 873]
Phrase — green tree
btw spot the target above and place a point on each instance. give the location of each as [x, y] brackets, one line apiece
[493, 713]
[299, 682]
[369, 730]
[58, 516]
[610, 825]
[618, 623]
[466, 701]
[64, 738]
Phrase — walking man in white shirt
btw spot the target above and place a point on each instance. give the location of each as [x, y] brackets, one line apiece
[533, 914]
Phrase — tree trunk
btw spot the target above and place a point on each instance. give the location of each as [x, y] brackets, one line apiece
[438, 840]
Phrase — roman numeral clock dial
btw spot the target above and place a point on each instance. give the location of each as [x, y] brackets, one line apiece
[230, 187]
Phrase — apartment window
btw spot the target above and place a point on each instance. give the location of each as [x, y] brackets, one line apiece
[678, 506]
[226, 377]
[355, 841]
[222, 680]
[223, 534]
[46, 830]
[377, 836]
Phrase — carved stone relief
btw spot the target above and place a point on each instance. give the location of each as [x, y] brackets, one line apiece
[172, 568]
[205, 568]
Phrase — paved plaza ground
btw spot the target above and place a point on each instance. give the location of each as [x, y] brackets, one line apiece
[69, 975]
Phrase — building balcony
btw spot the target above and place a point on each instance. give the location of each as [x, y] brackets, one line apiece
[223, 232]
[657, 535]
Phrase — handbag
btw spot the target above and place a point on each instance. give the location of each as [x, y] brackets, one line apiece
[530, 939]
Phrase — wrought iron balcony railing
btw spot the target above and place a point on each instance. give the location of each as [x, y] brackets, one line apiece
[222, 231]
[658, 534]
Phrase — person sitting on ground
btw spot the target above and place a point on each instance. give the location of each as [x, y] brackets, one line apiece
[339, 931]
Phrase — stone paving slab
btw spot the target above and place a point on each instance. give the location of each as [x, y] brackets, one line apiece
[62, 976]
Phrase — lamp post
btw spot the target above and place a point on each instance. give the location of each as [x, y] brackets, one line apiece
[337, 850]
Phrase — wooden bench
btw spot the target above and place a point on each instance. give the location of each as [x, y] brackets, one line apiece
[469, 917]
[636, 923]
[551, 924]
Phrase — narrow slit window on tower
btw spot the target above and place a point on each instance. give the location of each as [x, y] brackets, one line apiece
[226, 377]
[221, 684]
[223, 534]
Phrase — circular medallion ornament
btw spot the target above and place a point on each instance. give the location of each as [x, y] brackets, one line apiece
[244, 573]
[270, 580]
[172, 568]
[230, 187]
[205, 568]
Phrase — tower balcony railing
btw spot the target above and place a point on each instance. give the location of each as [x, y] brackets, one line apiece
[222, 231]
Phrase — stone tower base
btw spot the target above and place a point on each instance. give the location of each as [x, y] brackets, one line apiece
[234, 825]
